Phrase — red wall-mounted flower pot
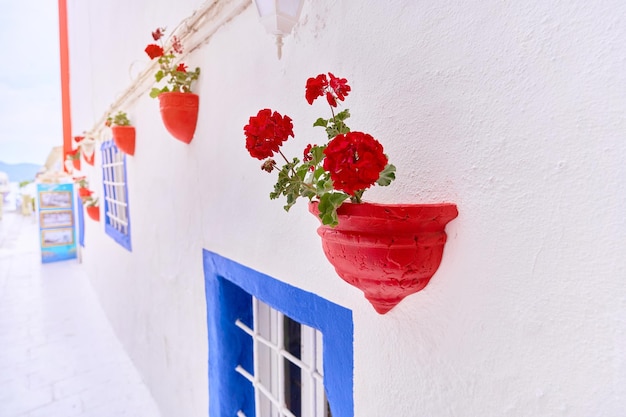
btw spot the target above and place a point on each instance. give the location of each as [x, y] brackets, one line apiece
[89, 159]
[93, 212]
[124, 138]
[76, 163]
[179, 112]
[388, 251]
[84, 192]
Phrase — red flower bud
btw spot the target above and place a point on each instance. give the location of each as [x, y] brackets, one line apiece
[268, 165]
[157, 34]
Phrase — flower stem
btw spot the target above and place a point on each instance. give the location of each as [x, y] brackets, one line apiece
[285, 158]
[333, 114]
[295, 176]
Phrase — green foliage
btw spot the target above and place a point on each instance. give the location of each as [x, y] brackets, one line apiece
[335, 125]
[388, 175]
[176, 80]
[328, 205]
[120, 119]
[23, 184]
[309, 179]
[154, 93]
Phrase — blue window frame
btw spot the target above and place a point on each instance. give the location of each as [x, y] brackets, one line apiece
[117, 219]
[81, 220]
[230, 288]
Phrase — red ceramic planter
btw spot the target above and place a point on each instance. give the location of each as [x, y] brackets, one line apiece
[179, 112]
[76, 163]
[387, 251]
[84, 192]
[124, 138]
[89, 159]
[93, 212]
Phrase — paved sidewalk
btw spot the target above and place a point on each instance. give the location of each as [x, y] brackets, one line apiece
[58, 355]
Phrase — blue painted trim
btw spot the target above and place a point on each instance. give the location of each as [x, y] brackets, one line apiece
[81, 221]
[228, 288]
[123, 239]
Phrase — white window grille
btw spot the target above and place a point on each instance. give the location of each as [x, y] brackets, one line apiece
[288, 375]
[117, 221]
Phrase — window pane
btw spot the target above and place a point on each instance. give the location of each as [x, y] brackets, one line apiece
[293, 378]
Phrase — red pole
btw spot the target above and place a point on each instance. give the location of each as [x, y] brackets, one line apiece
[65, 79]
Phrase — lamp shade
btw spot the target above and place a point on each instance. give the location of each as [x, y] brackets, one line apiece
[279, 17]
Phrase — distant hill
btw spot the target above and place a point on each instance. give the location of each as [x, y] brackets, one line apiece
[20, 172]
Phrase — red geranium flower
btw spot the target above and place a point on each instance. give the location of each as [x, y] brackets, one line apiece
[176, 45]
[335, 89]
[266, 132]
[157, 34]
[354, 161]
[154, 51]
[181, 67]
[78, 139]
[315, 87]
[307, 153]
[339, 85]
[331, 99]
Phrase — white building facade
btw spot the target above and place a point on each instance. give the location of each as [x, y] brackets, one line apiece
[513, 111]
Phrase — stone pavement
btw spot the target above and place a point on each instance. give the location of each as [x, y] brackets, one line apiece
[58, 355]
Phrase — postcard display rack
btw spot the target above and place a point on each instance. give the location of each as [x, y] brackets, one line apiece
[57, 231]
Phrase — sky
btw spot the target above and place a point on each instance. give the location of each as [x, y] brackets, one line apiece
[30, 86]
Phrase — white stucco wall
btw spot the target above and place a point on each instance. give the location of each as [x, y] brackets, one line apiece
[513, 110]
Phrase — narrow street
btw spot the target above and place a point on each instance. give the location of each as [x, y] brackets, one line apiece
[58, 355]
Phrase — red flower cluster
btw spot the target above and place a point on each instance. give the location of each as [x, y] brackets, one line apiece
[354, 161]
[266, 132]
[154, 51]
[176, 75]
[334, 89]
[176, 45]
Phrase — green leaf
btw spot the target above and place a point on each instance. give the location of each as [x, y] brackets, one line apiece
[328, 205]
[343, 115]
[302, 171]
[154, 93]
[387, 175]
[318, 154]
[336, 128]
[159, 75]
[324, 185]
[321, 122]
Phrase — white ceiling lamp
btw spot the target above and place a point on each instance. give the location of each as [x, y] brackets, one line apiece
[279, 17]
